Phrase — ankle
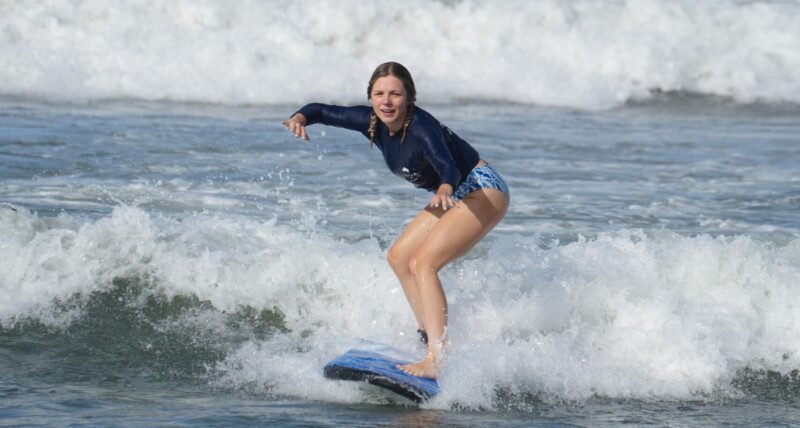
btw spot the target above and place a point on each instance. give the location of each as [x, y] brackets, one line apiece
[423, 336]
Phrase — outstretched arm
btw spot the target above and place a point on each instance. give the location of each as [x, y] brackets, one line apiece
[356, 118]
[297, 125]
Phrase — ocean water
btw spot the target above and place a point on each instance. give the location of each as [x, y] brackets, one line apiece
[169, 254]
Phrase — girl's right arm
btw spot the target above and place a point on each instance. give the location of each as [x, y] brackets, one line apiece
[355, 118]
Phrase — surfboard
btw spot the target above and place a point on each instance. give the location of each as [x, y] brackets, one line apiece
[380, 370]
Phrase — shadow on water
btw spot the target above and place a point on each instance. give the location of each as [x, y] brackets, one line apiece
[133, 330]
[769, 384]
[754, 397]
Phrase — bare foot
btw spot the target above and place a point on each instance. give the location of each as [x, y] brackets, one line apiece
[427, 368]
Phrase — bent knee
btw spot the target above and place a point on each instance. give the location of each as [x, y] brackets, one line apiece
[420, 265]
[396, 259]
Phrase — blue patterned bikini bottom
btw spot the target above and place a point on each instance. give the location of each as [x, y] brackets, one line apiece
[482, 177]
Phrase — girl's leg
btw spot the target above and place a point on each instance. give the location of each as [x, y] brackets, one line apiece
[456, 232]
[399, 257]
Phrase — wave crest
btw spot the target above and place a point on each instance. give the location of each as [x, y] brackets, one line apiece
[565, 53]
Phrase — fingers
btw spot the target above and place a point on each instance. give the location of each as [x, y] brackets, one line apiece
[297, 129]
[444, 201]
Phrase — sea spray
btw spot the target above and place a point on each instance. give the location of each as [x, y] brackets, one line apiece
[627, 314]
[576, 53]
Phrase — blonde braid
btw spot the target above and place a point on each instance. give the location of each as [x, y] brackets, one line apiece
[409, 113]
[373, 120]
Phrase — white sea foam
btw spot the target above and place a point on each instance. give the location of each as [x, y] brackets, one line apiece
[625, 314]
[576, 53]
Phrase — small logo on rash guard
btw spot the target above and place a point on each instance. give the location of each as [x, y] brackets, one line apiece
[411, 176]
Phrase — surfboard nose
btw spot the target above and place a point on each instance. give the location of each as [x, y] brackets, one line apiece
[380, 370]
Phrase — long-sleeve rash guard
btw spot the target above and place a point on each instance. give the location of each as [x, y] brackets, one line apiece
[430, 154]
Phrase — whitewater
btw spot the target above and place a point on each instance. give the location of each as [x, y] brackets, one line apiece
[170, 254]
[581, 54]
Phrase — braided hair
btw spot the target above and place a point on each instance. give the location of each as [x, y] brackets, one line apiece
[401, 73]
[373, 124]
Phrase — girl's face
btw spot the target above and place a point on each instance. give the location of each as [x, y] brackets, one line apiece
[389, 101]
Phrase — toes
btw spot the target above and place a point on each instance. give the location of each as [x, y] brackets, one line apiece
[405, 369]
[418, 370]
[409, 369]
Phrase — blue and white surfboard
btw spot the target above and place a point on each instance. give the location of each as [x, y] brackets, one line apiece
[380, 370]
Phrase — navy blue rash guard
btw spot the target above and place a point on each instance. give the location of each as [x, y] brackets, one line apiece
[431, 154]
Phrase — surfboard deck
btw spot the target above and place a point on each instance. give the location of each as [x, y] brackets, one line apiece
[380, 370]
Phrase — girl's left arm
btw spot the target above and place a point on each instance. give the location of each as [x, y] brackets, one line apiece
[435, 145]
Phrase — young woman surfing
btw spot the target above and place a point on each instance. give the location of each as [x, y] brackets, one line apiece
[469, 199]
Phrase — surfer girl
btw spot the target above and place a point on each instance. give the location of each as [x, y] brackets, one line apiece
[469, 196]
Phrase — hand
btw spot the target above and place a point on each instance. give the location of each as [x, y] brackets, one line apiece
[297, 125]
[443, 197]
